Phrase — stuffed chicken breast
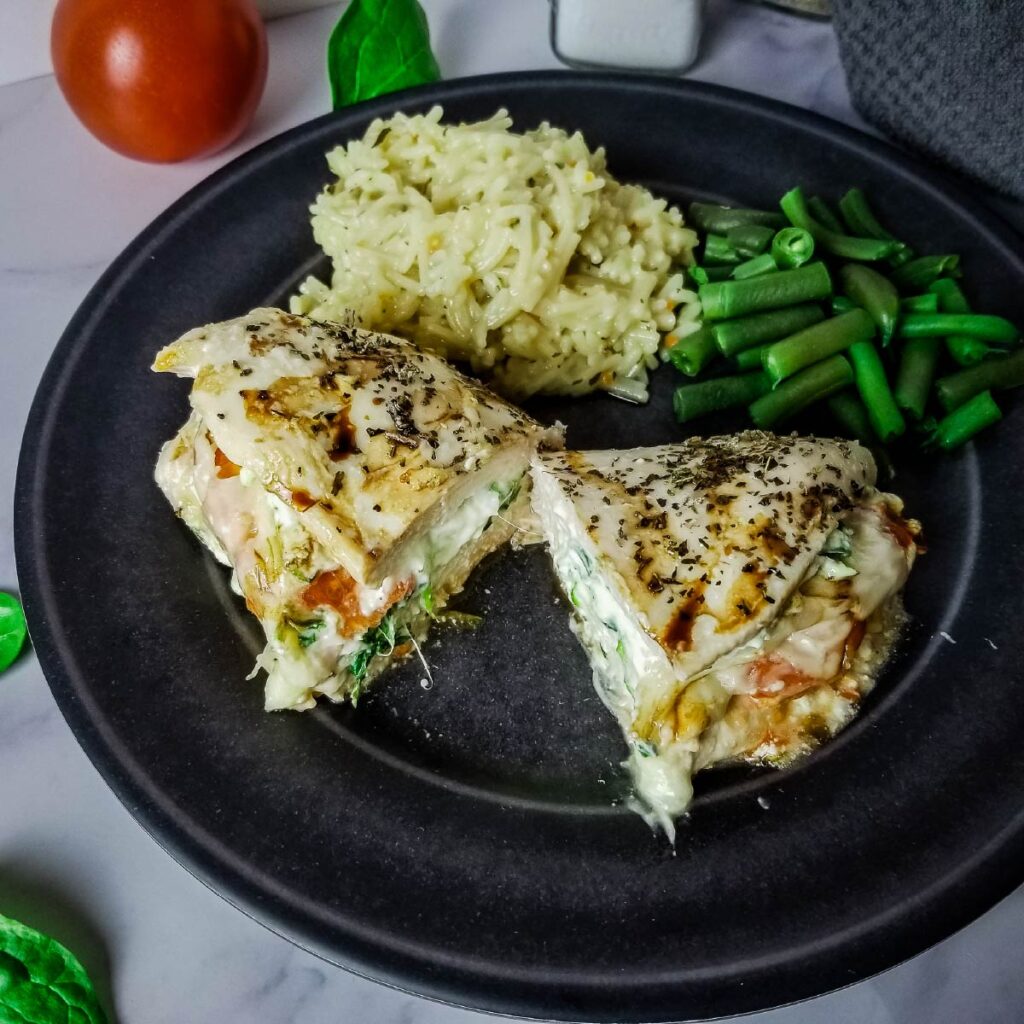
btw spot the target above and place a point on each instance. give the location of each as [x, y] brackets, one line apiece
[350, 481]
[736, 595]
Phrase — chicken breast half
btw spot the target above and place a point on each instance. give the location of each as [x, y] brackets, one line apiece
[349, 480]
[736, 595]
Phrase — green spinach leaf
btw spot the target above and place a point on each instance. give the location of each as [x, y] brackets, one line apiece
[381, 640]
[308, 632]
[41, 981]
[379, 46]
[507, 493]
[12, 630]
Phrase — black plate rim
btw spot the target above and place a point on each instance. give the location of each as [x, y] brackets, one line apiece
[996, 871]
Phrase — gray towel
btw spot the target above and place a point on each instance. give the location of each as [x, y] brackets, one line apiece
[945, 77]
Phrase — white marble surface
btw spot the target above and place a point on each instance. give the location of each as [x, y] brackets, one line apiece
[163, 948]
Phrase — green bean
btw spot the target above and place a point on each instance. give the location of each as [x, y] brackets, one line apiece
[822, 213]
[733, 336]
[691, 354]
[722, 273]
[927, 303]
[917, 371]
[886, 419]
[750, 358]
[763, 264]
[969, 351]
[811, 385]
[960, 426]
[874, 293]
[842, 304]
[693, 400]
[718, 219]
[849, 410]
[996, 374]
[718, 249]
[702, 275]
[750, 240]
[861, 221]
[792, 247]
[859, 217]
[974, 325]
[921, 272]
[951, 297]
[903, 254]
[724, 299]
[794, 206]
[964, 350]
[813, 344]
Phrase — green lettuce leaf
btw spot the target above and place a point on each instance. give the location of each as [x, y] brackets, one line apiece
[379, 46]
[41, 982]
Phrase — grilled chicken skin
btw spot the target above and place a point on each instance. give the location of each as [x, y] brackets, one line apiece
[351, 481]
[733, 593]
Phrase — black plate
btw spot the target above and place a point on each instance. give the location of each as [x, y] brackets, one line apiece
[463, 841]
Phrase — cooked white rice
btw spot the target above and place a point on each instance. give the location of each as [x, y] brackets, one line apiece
[517, 253]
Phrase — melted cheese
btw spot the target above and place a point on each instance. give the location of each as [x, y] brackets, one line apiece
[339, 473]
[678, 714]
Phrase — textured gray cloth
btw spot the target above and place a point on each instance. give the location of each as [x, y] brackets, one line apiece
[945, 77]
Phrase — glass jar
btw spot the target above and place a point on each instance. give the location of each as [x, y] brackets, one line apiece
[810, 8]
[659, 36]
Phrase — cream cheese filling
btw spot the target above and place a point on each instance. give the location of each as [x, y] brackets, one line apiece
[860, 567]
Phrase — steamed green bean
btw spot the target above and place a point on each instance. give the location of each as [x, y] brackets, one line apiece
[719, 219]
[794, 206]
[849, 411]
[794, 395]
[718, 250]
[822, 213]
[886, 418]
[693, 400]
[918, 360]
[965, 350]
[763, 264]
[750, 240]
[875, 294]
[750, 358]
[733, 336]
[691, 354]
[816, 343]
[926, 303]
[921, 272]
[960, 426]
[859, 217]
[974, 325]
[724, 299]
[996, 374]
[792, 247]
[861, 221]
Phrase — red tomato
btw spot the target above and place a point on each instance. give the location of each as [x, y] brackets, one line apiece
[160, 80]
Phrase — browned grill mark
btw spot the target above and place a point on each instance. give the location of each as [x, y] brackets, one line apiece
[260, 405]
[678, 634]
[302, 500]
[853, 641]
[341, 437]
[773, 542]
